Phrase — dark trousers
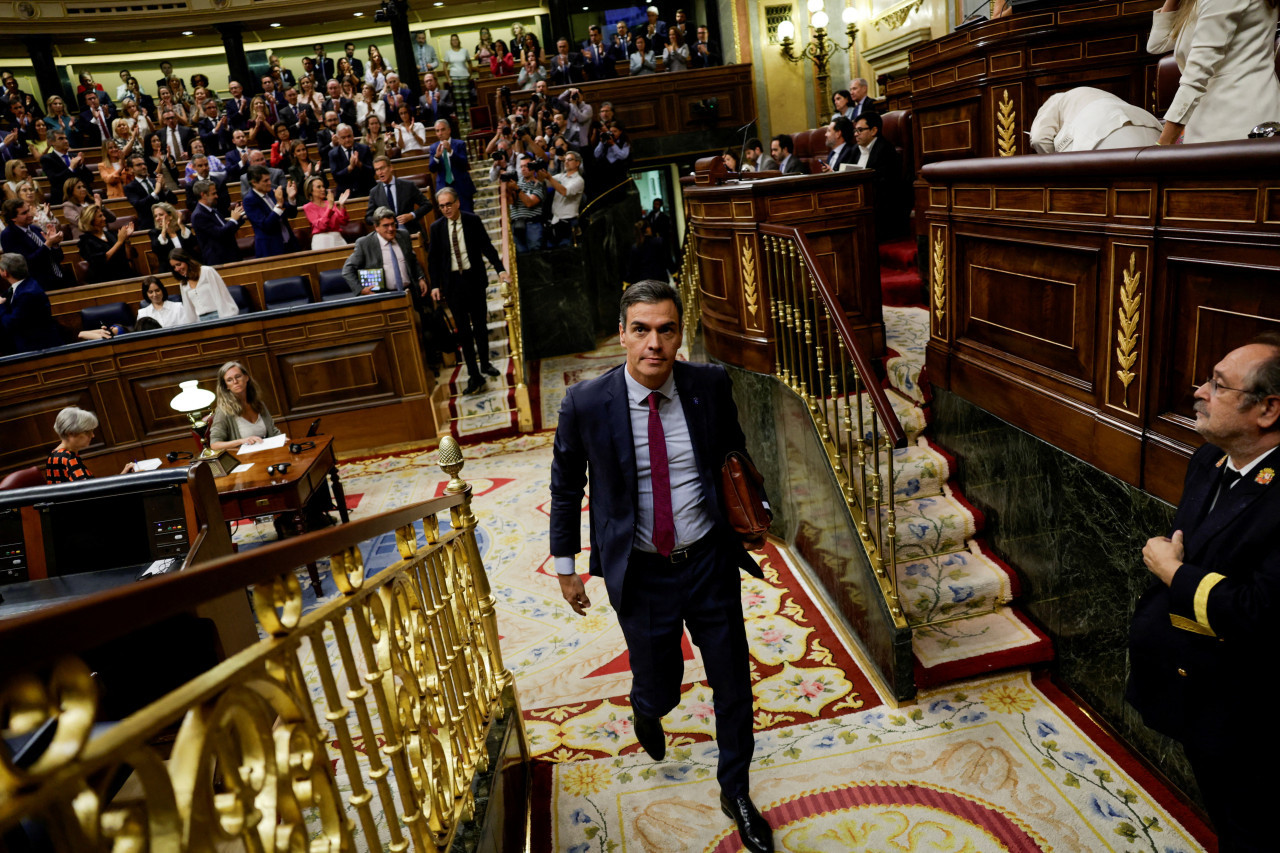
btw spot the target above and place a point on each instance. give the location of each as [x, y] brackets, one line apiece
[471, 313]
[705, 594]
[1239, 792]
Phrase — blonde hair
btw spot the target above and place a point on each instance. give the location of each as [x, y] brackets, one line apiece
[226, 400]
[87, 214]
[11, 167]
[1182, 17]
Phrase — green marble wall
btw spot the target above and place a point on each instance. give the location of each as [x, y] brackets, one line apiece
[1075, 535]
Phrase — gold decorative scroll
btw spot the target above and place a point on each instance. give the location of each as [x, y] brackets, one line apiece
[750, 288]
[897, 16]
[1006, 133]
[1127, 334]
[939, 277]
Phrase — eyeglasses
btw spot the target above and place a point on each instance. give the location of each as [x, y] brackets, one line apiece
[1215, 386]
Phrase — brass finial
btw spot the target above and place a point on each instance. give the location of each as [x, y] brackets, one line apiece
[449, 458]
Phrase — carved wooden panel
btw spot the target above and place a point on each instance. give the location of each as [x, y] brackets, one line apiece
[318, 378]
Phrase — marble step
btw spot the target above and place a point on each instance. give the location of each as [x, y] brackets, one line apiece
[940, 587]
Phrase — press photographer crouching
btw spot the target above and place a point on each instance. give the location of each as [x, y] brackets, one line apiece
[525, 198]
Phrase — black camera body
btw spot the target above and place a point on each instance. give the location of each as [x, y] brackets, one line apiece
[539, 165]
[506, 177]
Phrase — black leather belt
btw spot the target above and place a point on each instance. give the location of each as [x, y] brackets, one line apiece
[678, 557]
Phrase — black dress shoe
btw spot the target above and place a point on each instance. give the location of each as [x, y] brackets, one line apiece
[490, 370]
[650, 734]
[753, 829]
[474, 384]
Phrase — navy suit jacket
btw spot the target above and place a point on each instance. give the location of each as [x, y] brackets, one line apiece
[359, 180]
[458, 164]
[217, 242]
[409, 199]
[28, 318]
[594, 440]
[1186, 683]
[267, 237]
[479, 248]
[43, 263]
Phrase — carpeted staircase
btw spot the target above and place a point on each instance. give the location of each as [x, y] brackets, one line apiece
[957, 594]
[490, 413]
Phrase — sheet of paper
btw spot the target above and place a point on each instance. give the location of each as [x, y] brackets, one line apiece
[242, 467]
[266, 444]
[146, 465]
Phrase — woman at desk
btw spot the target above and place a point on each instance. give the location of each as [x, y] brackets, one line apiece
[239, 415]
[204, 292]
[75, 432]
[106, 255]
[159, 308]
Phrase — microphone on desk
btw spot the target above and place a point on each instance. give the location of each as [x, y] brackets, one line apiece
[972, 18]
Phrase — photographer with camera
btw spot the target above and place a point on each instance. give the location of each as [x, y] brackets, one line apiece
[503, 169]
[579, 116]
[612, 158]
[568, 187]
[525, 198]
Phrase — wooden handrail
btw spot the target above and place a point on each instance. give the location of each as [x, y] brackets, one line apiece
[888, 417]
[95, 619]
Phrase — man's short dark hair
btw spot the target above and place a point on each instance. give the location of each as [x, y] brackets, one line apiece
[256, 173]
[873, 120]
[201, 187]
[135, 158]
[753, 144]
[785, 142]
[1265, 379]
[844, 127]
[650, 292]
[10, 208]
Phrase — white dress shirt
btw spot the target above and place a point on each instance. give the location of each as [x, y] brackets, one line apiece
[689, 509]
[456, 238]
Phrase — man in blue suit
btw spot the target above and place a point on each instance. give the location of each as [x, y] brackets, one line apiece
[448, 160]
[26, 317]
[351, 163]
[270, 214]
[651, 435]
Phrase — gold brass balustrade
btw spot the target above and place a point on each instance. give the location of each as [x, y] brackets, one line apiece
[689, 284]
[515, 324]
[410, 682]
[817, 356]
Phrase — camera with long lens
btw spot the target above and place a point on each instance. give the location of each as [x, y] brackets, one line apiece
[539, 165]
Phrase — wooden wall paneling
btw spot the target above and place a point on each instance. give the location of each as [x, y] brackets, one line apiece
[950, 131]
[28, 425]
[1124, 338]
[335, 377]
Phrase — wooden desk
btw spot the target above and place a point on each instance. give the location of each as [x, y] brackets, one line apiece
[255, 493]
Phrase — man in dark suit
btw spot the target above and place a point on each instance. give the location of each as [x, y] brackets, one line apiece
[144, 193]
[214, 129]
[59, 166]
[876, 152]
[388, 249]
[1205, 630]
[324, 65]
[324, 137]
[41, 249]
[654, 32]
[175, 138]
[351, 163]
[565, 67]
[840, 143]
[200, 165]
[26, 317]
[597, 60]
[780, 148]
[448, 160]
[237, 107]
[302, 120]
[95, 121]
[621, 45]
[257, 158]
[703, 53]
[651, 435]
[858, 98]
[398, 195]
[356, 65]
[344, 107]
[435, 103]
[216, 233]
[457, 250]
[270, 213]
[166, 68]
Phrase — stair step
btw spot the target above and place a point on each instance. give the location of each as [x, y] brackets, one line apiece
[935, 525]
[908, 328]
[966, 648]
[943, 587]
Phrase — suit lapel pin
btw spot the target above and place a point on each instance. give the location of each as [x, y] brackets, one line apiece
[1265, 476]
[1220, 461]
[695, 401]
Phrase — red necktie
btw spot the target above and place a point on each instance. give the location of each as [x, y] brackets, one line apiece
[664, 525]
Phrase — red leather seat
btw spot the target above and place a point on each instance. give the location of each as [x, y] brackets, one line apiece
[23, 478]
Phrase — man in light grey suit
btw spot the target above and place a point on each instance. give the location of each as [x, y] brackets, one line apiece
[388, 249]
[760, 161]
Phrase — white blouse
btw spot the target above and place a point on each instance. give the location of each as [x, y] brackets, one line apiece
[406, 141]
[169, 314]
[209, 294]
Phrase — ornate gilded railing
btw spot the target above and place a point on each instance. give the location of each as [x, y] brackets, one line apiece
[357, 725]
[515, 323]
[688, 281]
[820, 359]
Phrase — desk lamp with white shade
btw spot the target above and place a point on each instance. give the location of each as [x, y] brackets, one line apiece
[196, 403]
